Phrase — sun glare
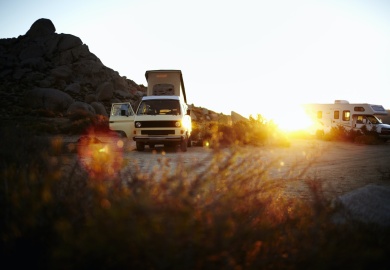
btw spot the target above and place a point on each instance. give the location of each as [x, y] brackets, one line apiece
[293, 119]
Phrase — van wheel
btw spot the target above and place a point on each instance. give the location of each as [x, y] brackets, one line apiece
[183, 145]
[140, 146]
[121, 134]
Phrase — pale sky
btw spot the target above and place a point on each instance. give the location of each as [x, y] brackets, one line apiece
[251, 57]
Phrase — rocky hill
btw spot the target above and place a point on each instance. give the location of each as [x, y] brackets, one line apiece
[56, 73]
[43, 73]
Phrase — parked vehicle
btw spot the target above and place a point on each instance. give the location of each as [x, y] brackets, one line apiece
[162, 117]
[355, 116]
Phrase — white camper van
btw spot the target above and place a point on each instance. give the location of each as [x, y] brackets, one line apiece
[348, 115]
[162, 117]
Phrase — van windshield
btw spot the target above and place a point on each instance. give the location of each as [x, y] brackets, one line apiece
[159, 107]
[374, 120]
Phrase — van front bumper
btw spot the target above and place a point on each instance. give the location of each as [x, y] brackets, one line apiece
[158, 139]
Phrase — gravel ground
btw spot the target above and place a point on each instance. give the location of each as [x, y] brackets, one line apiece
[356, 175]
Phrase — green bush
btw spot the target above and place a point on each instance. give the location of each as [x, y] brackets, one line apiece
[229, 214]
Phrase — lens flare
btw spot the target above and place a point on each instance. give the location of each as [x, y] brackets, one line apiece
[99, 158]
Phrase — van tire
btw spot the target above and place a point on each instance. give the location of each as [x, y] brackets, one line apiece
[140, 146]
[121, 134]
[183, 145]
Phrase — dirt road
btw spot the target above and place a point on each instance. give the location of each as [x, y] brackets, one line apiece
[340, 166]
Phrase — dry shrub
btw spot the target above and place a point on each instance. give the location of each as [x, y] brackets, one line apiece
[227, 214]
[255, 131]
[363, 136]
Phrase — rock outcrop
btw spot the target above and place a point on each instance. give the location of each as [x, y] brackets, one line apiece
[43, 73]
[43, 70]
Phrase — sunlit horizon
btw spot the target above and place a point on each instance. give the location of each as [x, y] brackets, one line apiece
[249, 56]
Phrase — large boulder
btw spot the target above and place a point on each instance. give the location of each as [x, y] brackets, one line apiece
[49, 99]
[61, 72]
[40, 28]
[105, 91]
[68, 42]
[73, 88]
[99, 108]
[80, 108]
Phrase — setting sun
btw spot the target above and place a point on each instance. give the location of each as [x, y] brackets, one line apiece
[291, 119]
[294, 119]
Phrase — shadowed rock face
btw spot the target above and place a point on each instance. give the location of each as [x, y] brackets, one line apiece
[43, 70]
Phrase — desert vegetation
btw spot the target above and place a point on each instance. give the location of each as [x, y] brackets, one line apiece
[254, 132]
[57, 213]
[363, 136]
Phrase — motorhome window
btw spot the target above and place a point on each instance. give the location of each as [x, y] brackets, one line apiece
[346, 115]
[359, 119]
[336, 114]
[358, 109]
[159, 107]
[163, 89]
[373, 120]
[319, 114]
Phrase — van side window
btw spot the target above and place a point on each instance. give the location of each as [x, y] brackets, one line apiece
[163, 89]
[319, 114]
[121, 110]
[336, 114]
[346, 115]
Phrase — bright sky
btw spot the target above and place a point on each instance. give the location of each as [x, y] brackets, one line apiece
[251, 57]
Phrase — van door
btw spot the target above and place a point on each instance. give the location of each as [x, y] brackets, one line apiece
[122, 119]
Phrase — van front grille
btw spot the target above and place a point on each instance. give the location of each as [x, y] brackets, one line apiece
[154, 124]
[157, 132]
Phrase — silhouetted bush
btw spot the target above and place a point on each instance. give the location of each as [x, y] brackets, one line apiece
[362, 136]
[97, 210]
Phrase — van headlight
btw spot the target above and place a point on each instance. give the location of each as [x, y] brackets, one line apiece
[138, 124]
[186, 123]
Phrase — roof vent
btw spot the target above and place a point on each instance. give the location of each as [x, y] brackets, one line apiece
[340, 101]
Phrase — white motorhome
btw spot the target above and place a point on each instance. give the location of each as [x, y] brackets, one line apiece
[162, 117]
[348, 115]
